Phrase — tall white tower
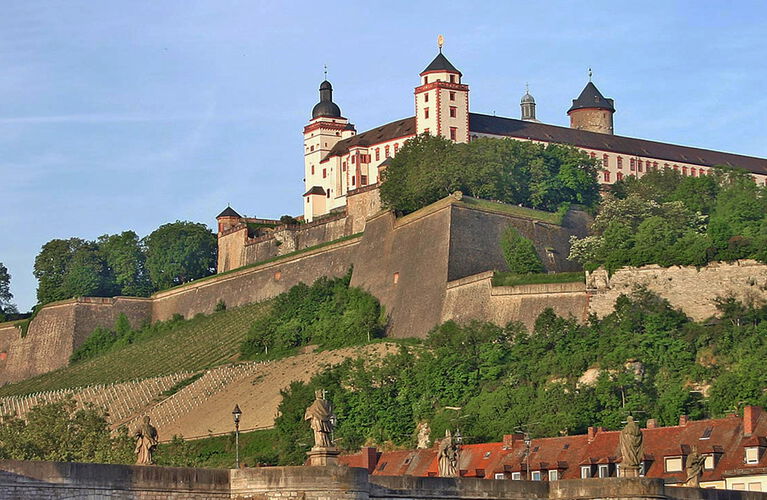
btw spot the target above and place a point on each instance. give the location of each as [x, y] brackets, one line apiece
[442, 101]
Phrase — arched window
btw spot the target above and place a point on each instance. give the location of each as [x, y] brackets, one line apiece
[386, 149]
[607, 175]
[378, 154]
[684, 170]
[620, 162]
[605, 161]
[693, 172]
[639, 165]
[619, 176]
[593, 155]
[632, 164]
[396, 148]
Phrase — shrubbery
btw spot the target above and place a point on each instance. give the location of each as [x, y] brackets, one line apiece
[668, 219]
[328, 313]
[645, 353]
[519, 253]
[428, 168]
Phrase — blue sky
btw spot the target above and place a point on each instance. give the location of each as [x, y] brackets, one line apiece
[119, 115]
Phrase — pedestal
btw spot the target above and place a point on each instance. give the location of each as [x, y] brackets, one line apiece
[629, 471]
[322, 456]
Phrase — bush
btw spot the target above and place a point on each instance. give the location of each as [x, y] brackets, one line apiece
[519, 253]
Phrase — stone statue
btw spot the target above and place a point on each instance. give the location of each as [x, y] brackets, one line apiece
[448, 456]
[320, 417]
[632, 449]
[146, 442]
[424, 435]
[694, 467]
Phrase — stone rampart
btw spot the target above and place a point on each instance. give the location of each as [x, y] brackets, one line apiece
[693, 290]
[58, 481]
[475, 298]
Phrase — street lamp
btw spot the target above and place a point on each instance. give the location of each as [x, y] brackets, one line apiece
[236, 413]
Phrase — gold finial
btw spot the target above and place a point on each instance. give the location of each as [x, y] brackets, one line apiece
[440, 42]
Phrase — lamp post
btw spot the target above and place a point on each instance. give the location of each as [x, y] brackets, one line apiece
[458, 442]
[236, 413]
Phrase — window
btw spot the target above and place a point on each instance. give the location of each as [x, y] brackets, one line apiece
[388, 154]
[619, 176]
[312, 169]
[632, 164]
[363, 180]
[353, 160]
[605, 161]
[752, 455]
[307, 199]
[607, 175]
[553, 475]
[739, 486]
[396, 278]
[673, 464]
[426, 97]
[593, 155]
[354, 180]
[516, 476]
[536, 475]
[604, 470]
[452, 96]
[396, 148]
[709, 464]
[452, 78]
[327, 193]
[693, 172]
[453, 134]
[426, 113]
[324, 173]
[639, 165]
[453, 111]
[620, 162]
[756, 486]
[311, 148]
[655, 165]
[378, 154]
[425, 79]
[706, 433]
[684, 170]
[585, 471]
[499, 475]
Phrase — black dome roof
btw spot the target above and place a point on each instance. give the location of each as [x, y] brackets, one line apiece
[591, 97]
[440, 63]
[326, 107]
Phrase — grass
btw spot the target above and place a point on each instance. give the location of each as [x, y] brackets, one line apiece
[190, 345]
[512, 279]
[256, 448]
[504, 208]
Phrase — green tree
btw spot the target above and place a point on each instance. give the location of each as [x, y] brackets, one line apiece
[6, 307]
[180, 252]
[69, 268]
[519, 253]
[125, 260]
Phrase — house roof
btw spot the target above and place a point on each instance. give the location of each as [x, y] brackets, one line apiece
[722, 437]
[591, 97]
[228, 212]
[399, 128]
[315, 190]
[510, 127]
[440, 63]
[536, 131]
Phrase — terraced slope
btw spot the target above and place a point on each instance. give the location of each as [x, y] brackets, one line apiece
[192, 345]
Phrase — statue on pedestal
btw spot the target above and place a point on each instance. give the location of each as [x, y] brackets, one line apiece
[146, 442]
[321, 420]
[694, 468]
[447, 456]
[632, 449]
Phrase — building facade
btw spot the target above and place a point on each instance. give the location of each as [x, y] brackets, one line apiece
[733, 447]
[339, 161]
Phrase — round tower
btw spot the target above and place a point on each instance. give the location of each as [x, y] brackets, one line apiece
[592, 111]
[227, 219]
[528, 107]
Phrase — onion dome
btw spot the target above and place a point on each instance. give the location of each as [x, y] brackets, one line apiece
[326, 107]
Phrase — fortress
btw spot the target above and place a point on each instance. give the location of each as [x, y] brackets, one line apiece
[427, 267]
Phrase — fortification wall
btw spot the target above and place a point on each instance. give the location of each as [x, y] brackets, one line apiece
[688, 288]
[59, 329]
[56, 480]
[474, 298]
[254, 284]
[231, 249]
[362, 204]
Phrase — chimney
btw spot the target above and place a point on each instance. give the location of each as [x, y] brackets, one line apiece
[510, 439]
[592, 433]
[683, 419]
[652, 423]
[369, 458]
[750, 419]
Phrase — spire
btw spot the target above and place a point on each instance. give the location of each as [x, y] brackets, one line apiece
[591, 97]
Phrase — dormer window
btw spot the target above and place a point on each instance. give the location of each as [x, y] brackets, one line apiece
[516, 476]
[674, 464]
[585, 471]
[553, 475]
[536, 476]
[752, 455]
[604, 470]
[710, 462]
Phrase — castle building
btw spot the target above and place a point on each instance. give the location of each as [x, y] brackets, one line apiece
[339, 161]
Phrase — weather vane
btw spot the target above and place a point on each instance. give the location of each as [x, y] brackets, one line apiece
[440, 42]
[590, 73]
[527, 88]
[326, 71]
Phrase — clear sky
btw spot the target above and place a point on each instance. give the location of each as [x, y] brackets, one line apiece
[119, 115]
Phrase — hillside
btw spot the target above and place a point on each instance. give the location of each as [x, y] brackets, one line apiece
[189, 345]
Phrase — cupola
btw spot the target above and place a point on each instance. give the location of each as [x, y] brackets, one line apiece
[528, 106]
[326, 108]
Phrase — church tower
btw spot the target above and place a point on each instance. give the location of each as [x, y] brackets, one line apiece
[442, 101]
[592, 111]
[324, 130]
[528, 107]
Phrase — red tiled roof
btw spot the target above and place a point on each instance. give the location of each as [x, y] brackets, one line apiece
[722, 437]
